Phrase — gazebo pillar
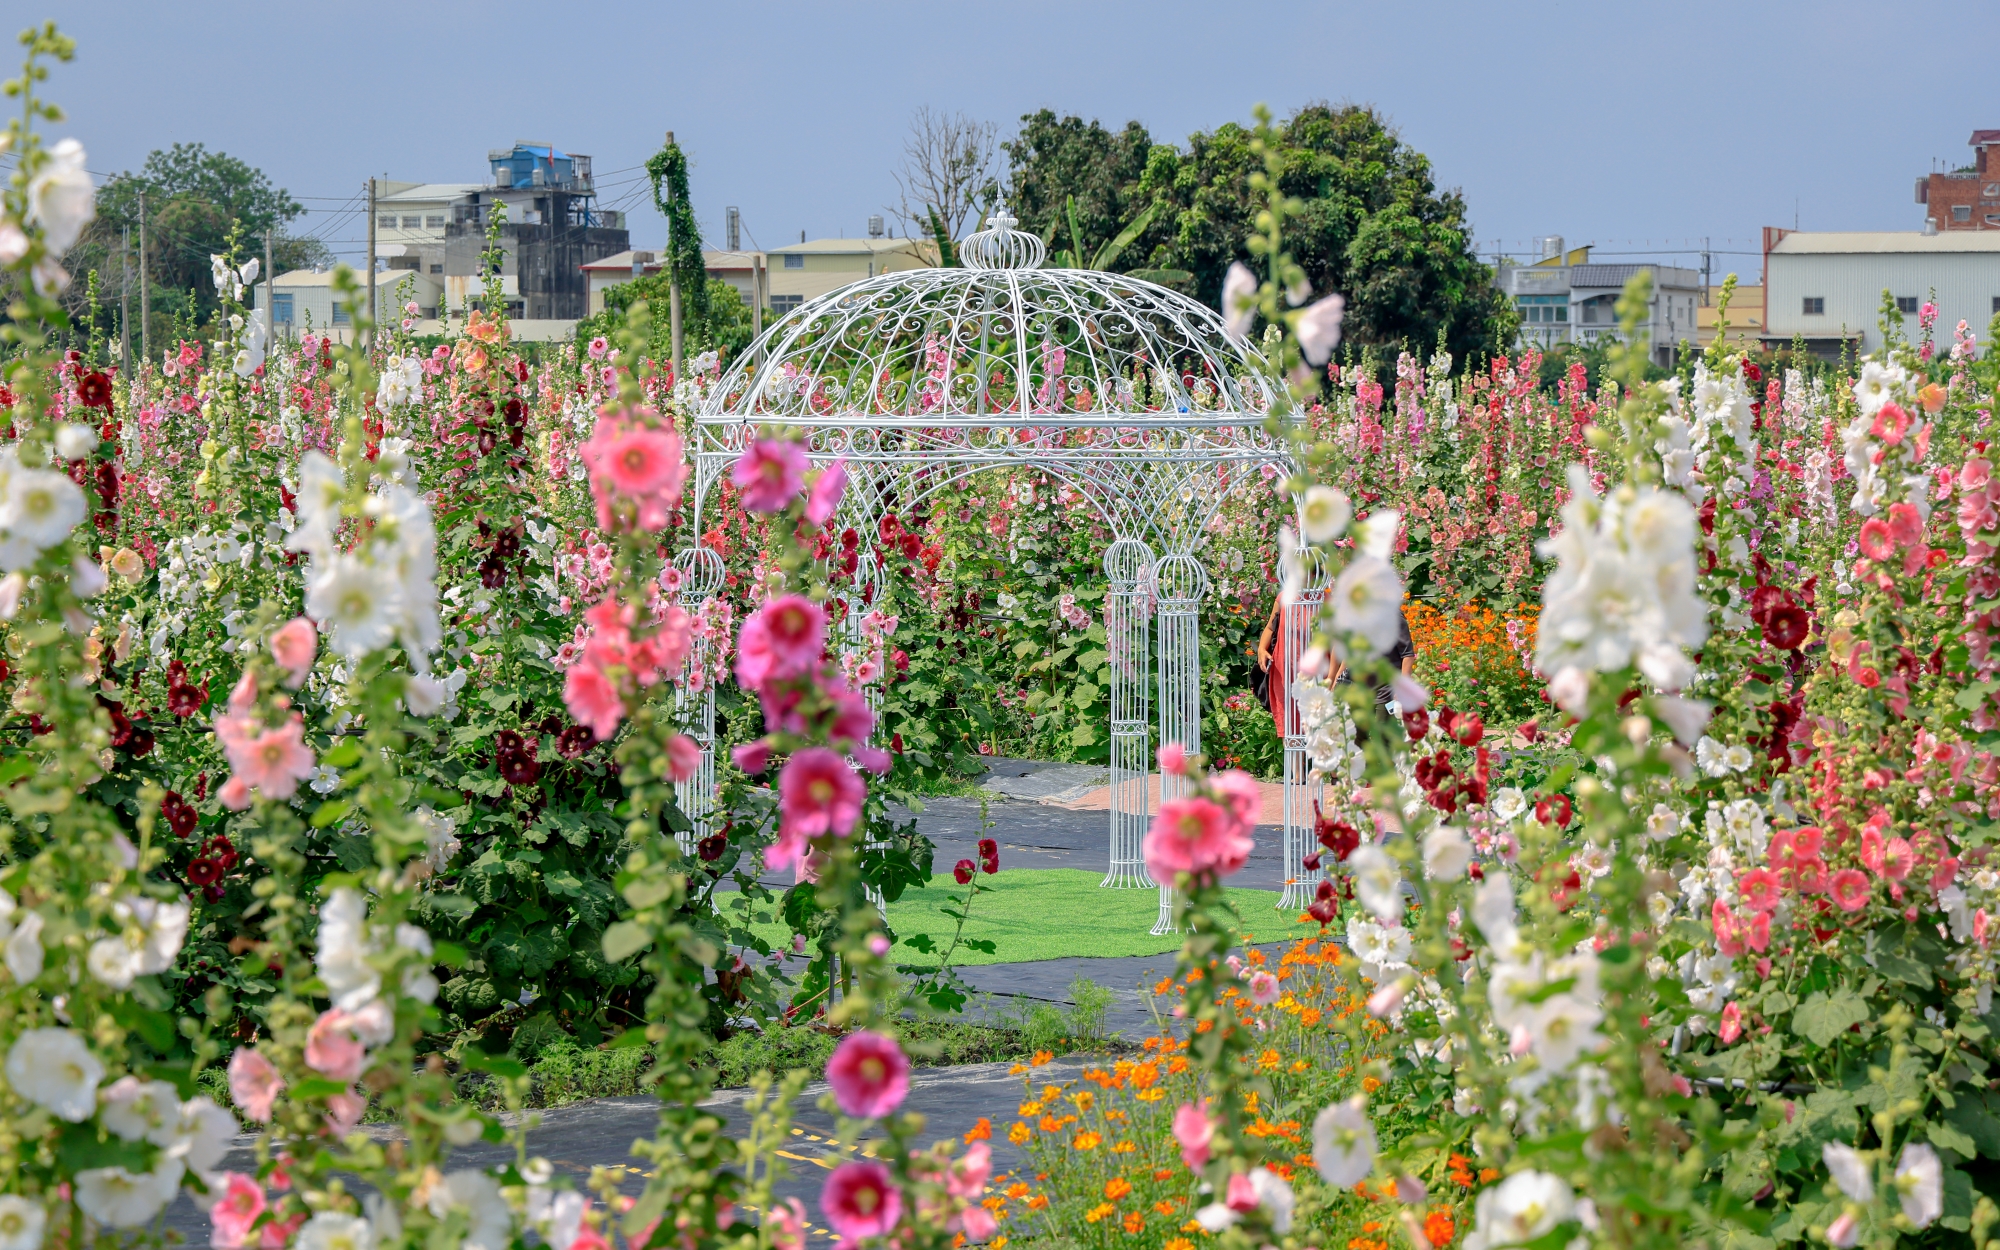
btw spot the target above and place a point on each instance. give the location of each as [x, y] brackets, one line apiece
[1302, 790]
[701, 578]
[1128, 567]
[1180, 582]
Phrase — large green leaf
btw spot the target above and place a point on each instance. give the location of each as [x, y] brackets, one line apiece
[1822, 1017]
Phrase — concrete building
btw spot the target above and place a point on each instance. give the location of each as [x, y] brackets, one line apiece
[1746, 315]
[743, 270]
[1827, 287]
[785, 277]
[303, 301]
[1564, 298]
[1967, 198]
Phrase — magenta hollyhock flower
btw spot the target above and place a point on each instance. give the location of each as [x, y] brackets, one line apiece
[1851, 889]
[253, 1083]
[752, 757]
[818, 794]
[1194, 836]
[1193, 1130]
[683, 757]
[593, 700]
[826, 492]
[861, 1200]
[1173, 759]
[242, 1201]
[853, 719]
[769, 473]
[869, 1073]
[781, 641]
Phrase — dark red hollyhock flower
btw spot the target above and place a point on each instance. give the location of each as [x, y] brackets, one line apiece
[988, 848]
[1337, 836]
[888, 528]
[94, 389]
[1553, 810]
[1476, 870]
[1417, 724]
[962, 871]
[912, 546]
[492, 573]
[574, 741]
[515, 409]
[1785, 628]
[711, 847]
[1469, 730]
[107, 482]
[221, 850]
[179, 814]
[1325, 907]
[896, 743]
[200, 786]
[1532, 731]
[1310, 862]
[183, 698]
[514, 756]
[204, 871]
[849, 539]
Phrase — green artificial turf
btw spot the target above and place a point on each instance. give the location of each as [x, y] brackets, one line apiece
[1054, 913]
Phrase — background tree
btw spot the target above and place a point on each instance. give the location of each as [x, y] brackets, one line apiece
[947, 175]
[1374, 227]
[194, 198]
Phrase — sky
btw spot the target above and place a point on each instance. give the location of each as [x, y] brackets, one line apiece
[1641, 129]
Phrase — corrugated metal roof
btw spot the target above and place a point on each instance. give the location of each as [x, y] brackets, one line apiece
[1835, 242]
[1602, 275]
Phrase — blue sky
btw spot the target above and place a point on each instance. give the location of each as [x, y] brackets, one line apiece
[1642, 128]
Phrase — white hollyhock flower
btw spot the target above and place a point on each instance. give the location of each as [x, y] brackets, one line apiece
[1239, 301]
[1368, 603]
[203, 1135]
[1493, 911]
[414, 560]
[1878, 384]
[141, 1110]
[53, 1068]
[1381, 949]
[1377, 883]
[1344, 1143]
[343, 950]
[60, 197]
[249, 270]
[476, 1196]
[74, 442]
[1447, 853]
[23, 952]
[1685, 717]
[359, 606]
[13, 242]
[250, 357]
[114, 961]
[439, 843]
[1850, 1171]
[1509, 802]
[1275, 1196]
[21, 1223]
[1709, 757]
[1520, 1209]
[1920, 1184]
[1324, 513]
[1315, 703]
[1318, 328]
[40, 509]
[321, 487]
[331, 1231]
[117, 1198]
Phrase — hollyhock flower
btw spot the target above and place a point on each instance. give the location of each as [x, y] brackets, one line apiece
[293, 647]
[1844, 1231]
[1522, 1208]
[818, 794]
[275, 762]
[966, 1179]
[60, 197]
[359, 604]
[752, 757]
[1891, 423]
[770, 473]
[593, 700]
[1318, 328]
[21, 1223]
[1194, 835]
[826, 492]
[1850, 889]
[1898, 858]
[683, 757]
[1193, 1129]
[241, 1202]
[635, 460]
[1344, 1143]
[1447, 853]
[962, 871]
[1243, 795]
[331, 1047]
[1377, 883]
[787, 1225]
[1173, 759]
[117, 1198]
[1263, 988]
[1875, 540]
[853, 719]
[1850, 1171]
[869, 1074]
[860, 1200]
[1759, 888]
[254, 1083]
[234, 794]
[1920, 1184]
[781, 641]
[1239, 301]
[1732, 1024]
[1367, 602]
[53, 1068]
[1324, 513]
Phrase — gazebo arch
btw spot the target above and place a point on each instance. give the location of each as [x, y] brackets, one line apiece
[1133, 394]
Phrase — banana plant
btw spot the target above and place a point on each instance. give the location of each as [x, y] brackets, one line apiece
[1071, 257]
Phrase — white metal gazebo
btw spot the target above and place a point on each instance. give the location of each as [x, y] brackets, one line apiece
[1132, 394]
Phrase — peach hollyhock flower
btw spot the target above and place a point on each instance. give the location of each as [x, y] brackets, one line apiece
[683, 757]
[1850, 889]
[769, 473]
[826, 492]
[818, 794]
[630, 457]
[254, 1083]
[593, 700]
[1193, 1130]
[1194, 836]
[242, 1201]
[293, 647]
[781, 641]
[860, 1200]
[274, 762]
[869, 1073]
[331, 1047]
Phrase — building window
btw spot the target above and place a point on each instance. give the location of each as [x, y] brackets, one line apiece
[340, 317]
[434, 222]
[1815, 306]
[794, 262]
[437, 268]
[782, 304]
[1906, 304]
[388, 221]
[1961, 212]
[413, 223]
[1543, 309]
[281, 309]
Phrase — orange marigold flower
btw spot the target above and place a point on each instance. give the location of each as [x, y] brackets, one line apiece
[1098, 1212]
[1161, 1174]
[1083, 1098]
[1177, 1243]
[1125, 1148]
[1038, 1202]
[1309, 1017]
[1032, 1107]
[1041, 1057]
[1117, 1187]
[1018, 1190]
[1163, 1208]
[982, 1131]
[1135, 1223]
[1488, 1175]
[1020, 1133]
[1440, 1228]
[1370, 1084]
[1087, 1140]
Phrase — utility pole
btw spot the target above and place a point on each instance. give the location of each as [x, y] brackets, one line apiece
[371, 258]
[125, 304]
[145, 298]
[1706, 259]
[270, 293]
[673, 279]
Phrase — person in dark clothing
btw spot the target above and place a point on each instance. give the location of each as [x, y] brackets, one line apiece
[1402, 654]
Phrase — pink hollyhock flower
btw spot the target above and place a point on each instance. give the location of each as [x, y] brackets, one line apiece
[788, 1225]
[869, 1073]
[977, 1223]
[1728, 932]
[331, 1047]
[1906, 524]
[1757, 931]
[1759, 888]
[683, 757]
[967, 1177]
[1241, 1195]
[874, 759]
[599, 346]
[276, 761]
[1875, 540]
[1898, 858]
[1245, 798]
[293, 647]
[1811, 874]
[1263, 988]
[826, 492]
[1173, 759]
[786, 851]
[1193, 1130]
[861, 1200]
[243, 696]
[1976, 473]
[254, 1083]
[1194, 836]
[1891, 423]
[818, 793]
[588, 1238]
[278, 1233]
[781, 641]
[593, 700]
[1873, 854]
[752, 757]
[637, 461]
[234, 794]
[1732, 1024]
[769, 474]
[853, 719]
[240, 1203]
[1851, 889]
[343, 1111]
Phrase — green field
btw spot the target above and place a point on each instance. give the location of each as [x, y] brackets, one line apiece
[1051, 913]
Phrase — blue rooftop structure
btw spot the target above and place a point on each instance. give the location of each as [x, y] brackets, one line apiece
[527, 166]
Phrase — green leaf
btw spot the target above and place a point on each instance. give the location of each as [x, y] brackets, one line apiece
[499, 1065]
[1942, 1134]
[625, 939]
[627, 1040]
[1902, 968]
[83, 1146]
[1976, 1121]
[314, 1087]
[1820, 1018]
[155, 1027]
[330, 811]
[646, 891]
[16, 768]
[1974, 695]
[343, 754]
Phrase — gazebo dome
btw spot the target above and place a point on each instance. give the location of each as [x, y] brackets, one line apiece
[1000, 342]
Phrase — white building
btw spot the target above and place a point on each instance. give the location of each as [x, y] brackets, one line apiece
[303, 301]
[1563, 298]
[1827, 287]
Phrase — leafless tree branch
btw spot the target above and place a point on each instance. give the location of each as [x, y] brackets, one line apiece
[948, 168]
